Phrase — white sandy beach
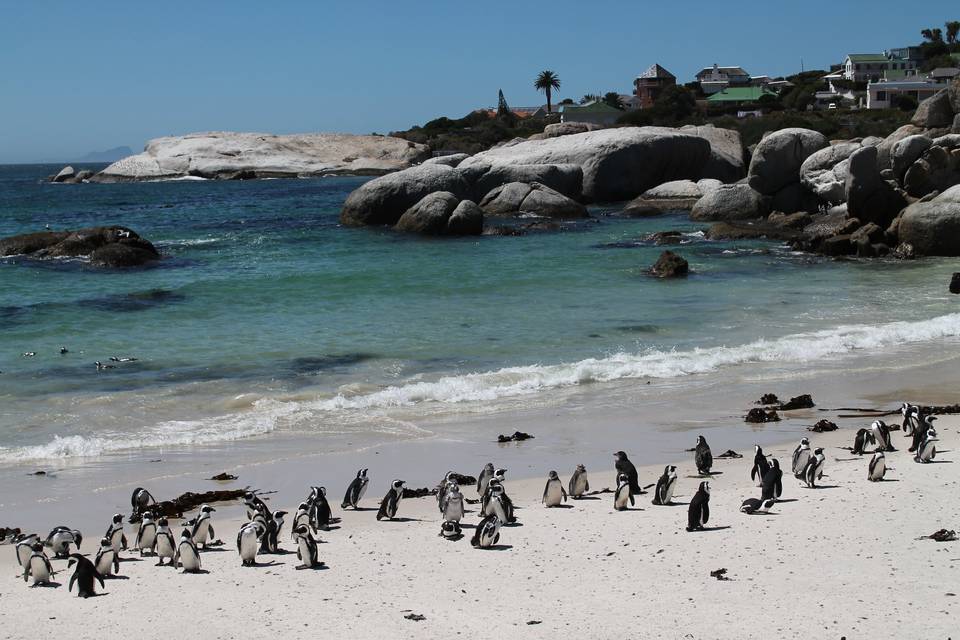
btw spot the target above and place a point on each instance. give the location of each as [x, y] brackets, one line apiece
[839, 561]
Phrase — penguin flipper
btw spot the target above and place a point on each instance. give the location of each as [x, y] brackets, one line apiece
[116, 563]
[632, 503]
[706, 512]
[96, 574]
[73, 579]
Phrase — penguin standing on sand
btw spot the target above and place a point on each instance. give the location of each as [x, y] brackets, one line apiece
[911, 419]
[24, 544]
[497, 503]
[188, 556]
[451, 530]
[877, 467]
[115, 533]
[301, 517]
[146, 534]
[320, 512]
[553, 492]
[140, 500]
[107, 560]
[166, 545]
[487, 533]
[920, 433]
[625, 467]
[484, 479]
[579, 484]
[391, 501]
[443, 487]
[760, 465]
[751, 506]
[814, 469]
[622, 495]
[248, 542]
[61, 538]
[306, 547]
[772, 482]
[927, 449]
[699, 512]
[202, 526]
[254, 505]
[452, 507]
[38, 566]
[800, 456]
[356, 489]
[703, 457]
[269, 542]
[84, 575]
[663, 494]
[863, 439]
[881, 433]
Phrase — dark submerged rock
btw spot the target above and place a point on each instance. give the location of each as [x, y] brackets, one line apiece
[103, 246]
[670, 265]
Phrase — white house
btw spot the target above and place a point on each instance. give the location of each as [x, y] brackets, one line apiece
[881, 95]
[871, 67]
[716, 78]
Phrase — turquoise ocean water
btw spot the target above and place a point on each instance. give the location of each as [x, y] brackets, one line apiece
[267, 316]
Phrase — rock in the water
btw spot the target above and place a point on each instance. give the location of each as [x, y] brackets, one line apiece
[66, 174]
[758, 415]
[466, 220]
[670, 265]
[934, 112]
[450, 160]
[383, 200]
[794, 198]
[230, 155]
[750, 229]
[777, 159]
[676, 195]
[516, 197]
[617, 164]
[906, 152]
[804, 401]
[726, 152]
[797, 220]
[955, 283]
[838, 246]
[103, 246]
[825, 172]
[869, 197]
[431, 215]
[730, 202]
[932, 228]
[558, 129]
[563, 178]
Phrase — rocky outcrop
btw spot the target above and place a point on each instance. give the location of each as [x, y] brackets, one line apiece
[749, 230]
[617, 164]
[955, 283]
[885, 148]
[451, 160]
[936, 111]
[65, 174]
[726, 162]
[730, 202]
[778, 157]
[563, 178]
[517, 198]
[933, 227]
[824, 172]
[676, 195]
[442, 214]
[558, 129]
[102, 246]
[936, 169]
[907, 151]
[228, 155]
[383, 200]
[670, 265]
[870, 198]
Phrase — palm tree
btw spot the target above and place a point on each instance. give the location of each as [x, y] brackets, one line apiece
[590, 97]
[953, 29]
[547, 81]
[933, 35]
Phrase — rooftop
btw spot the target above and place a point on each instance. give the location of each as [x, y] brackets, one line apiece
[945, 72]
[737, 71]
[591, 107]
[656, 71]
[740, 94]
[867, 57]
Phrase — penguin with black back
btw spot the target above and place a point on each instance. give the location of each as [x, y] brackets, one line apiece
[625, 467]
[702, 456]
[84, 575]
[760, 465]
[699, 512]
[772, 482]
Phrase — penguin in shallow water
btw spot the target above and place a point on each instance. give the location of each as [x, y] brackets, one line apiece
[800, 456]
[117, 537]
[863, 439]
[452, 507]
[699, 512]
[579, 483]
[306, 547]
[248, 542]
[772, 482]
[146, 534]
[553, 491]
[166, 546]
[760, 465]
[108, 559]
[38, 566]
[911, 419]
[663, 494]
[927, 449]
[756, 505]
[61, 538]
[451, 530]
[84, 575]
[703, 457]
[625, 467]
[487, 533]
[814, 469]
[141, 500]
[622, 495]
[355, 490]
[391, 501]
[881, 433]
[877, 467]
[920, 432]
[188, 556]
[484, 479]
[202, 526]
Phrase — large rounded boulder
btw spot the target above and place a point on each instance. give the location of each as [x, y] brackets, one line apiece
[870, 198]
[730, 202]
[778, 157]
[517, 198]
[383, 200]
[102, 246]
[933, 227]
[825, 172]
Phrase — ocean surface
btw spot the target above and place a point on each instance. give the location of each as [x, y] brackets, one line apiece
[267, 318]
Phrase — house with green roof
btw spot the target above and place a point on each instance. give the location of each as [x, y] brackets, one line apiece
[871, 67]
[596, 112]
[740, 95]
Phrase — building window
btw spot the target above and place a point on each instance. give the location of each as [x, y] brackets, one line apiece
[881, 96]
[857, 67]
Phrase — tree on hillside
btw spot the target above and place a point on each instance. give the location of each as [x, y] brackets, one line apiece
[932, 35]
[547, 81]
[612, 98]
[953, 29]
[589, 97]
[504, 114]
[676, 103]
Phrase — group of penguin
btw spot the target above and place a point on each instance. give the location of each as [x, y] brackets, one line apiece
[260, 534]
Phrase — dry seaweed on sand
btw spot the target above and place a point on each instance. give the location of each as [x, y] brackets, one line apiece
[224, 477]
[758, 415]
[719, 574]
[518, 436]
[823, 426]
[943, 535]
[730, 453]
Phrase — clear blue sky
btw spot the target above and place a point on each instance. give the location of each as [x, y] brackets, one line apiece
[84, 76]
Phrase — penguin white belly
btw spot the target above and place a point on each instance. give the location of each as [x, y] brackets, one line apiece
[203, 532]
[39, 571]
[454, 510]
[554, 495]
[878, 470]
[105, 564]
[61, 543]
[668, 494]
[928, 452]
[165, 548]
[363, 490]
[621, 499]
[188, 559]
[580, 486]
[149, 539]
[801, 462]
[305, 552]
[116, 539]
[498, 509]
[249, 545]
[23, 555]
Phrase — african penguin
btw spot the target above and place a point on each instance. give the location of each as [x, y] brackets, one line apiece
[760, 465]
[140, 500]
[703, 457]
[452, 507]
[920, 433]
[814, 469]
[202, 531]
[863, 439]
[38, 566]
[487, 533]
[61, 538]
[269, 543]
[496, 505]
[927, 450]
[188, 556]
[772, 482]
[579, 484]
[622, 495]
[391, 501]
[108, 559]
[302, 517]
[663, 494]
[248, 542]
[146, 534]
[625, 467]
[115, 533]
[450, 530]
[756, 505]
[306, 547]
[84, 575]
[484, 478]
[166, 545]
[355, 490]
[877, 467]
[553, 491]
[24, 544]
[881, 433]
[800, 456]
[911, 419]
[320, 512]
[699, 512]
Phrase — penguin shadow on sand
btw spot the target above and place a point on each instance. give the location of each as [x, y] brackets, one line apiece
[708, 474]
[586, 498]
[320, 566]
[709, 529]
[52, 584]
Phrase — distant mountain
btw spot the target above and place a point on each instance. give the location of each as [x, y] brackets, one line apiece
[110, 155]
